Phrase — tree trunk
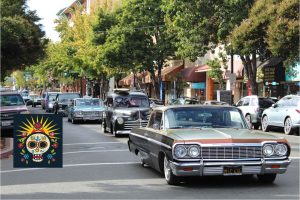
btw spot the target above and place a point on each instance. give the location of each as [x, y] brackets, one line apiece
[251, 70]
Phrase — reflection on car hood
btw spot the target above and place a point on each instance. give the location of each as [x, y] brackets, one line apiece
[131, 110]
[221, 134]
[17, 108]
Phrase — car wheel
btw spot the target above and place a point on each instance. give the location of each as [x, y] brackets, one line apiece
[248, 120]
[266, 178]
[73, 121]
[265, 124]
[288, 126]
[141, 159]
[104, 127]
[256, 126]
[169, 176]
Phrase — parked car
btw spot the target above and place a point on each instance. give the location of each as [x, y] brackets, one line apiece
[25, 95]
[197, 140]
[85, 109]
[12, 104]
[43, 100]
[214, 102]
[253, 107]
[285, 113]
[34, 100]
[184, 101]
[155, 103]
[125, 109]
[62, 101]
[50, 101]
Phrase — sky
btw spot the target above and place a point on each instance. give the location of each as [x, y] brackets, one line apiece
[47, 10]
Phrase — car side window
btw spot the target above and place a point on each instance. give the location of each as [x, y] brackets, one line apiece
[240, 103]
[157, 120]
[246, 102]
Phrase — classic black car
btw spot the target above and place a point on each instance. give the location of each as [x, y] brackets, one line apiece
[62, 101]
[124, 110]
[200, 140]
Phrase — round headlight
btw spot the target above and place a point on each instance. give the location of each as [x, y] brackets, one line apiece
[194, 151]
[180, 151]
[120, 120]
[268, 150]
[281, 149]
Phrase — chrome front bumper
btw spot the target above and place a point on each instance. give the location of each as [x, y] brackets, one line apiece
[206, 168]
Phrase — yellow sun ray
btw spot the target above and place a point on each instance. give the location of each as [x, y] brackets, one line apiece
[49, 124]
[44, 124]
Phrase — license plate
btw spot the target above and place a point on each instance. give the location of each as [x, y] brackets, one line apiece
[6, 123]
[232, 170]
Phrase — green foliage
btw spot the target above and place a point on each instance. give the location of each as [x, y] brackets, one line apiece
[216, 72]
[283, 31]
[200, 25]
[22, 40]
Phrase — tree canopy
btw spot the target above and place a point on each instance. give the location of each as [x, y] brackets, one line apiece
[22, 39]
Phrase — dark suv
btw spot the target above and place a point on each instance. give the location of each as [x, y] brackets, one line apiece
[12, 104]
[124, 110]
[62, 101]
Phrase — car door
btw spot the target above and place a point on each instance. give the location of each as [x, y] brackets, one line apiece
[109, 111]
[275, 115]
[284, 110]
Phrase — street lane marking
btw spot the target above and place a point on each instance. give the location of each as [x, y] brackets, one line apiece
[92, 143]
[74, 165]
[99, 151]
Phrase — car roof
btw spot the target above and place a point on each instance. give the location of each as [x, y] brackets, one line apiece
[9, 92]
[164, 108]
[126, 93]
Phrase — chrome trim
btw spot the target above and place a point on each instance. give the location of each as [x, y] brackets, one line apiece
[151, 140]
[123, 132]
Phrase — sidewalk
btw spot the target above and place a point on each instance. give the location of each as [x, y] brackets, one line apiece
[6, 147]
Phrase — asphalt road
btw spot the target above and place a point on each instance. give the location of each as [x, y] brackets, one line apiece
[99, 166]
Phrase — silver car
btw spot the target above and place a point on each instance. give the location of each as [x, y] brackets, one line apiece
[253, 107]
[285, 113]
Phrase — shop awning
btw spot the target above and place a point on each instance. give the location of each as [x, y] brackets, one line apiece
[166, 73]
[128, 80]
[191, 74]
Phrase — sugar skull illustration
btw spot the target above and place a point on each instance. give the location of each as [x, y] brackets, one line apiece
[37, 144]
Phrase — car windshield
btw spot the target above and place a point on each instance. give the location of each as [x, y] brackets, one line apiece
[131, 101]
[89, 102]
[11, 100]
[65, 97]
[204, 118]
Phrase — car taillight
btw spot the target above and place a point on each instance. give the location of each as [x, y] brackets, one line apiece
[298, 111]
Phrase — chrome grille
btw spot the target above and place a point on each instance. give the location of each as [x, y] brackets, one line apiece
[8, 115]
[91, 113]
[128, 125]
[231, 152]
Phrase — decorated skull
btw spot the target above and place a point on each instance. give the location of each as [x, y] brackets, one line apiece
[37, 144]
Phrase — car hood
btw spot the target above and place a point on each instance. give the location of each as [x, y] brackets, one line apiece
[89, 108]
[221, 135]
[13, 108]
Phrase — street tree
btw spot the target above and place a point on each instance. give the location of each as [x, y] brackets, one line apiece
[22, 39]
[139, 40]
[272, 29]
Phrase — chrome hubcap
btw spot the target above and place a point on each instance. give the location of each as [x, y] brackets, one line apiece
[248, 120]
[167, 169]
[265, 123]
[287, 125]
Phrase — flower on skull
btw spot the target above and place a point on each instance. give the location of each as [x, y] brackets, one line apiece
[37, 144]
